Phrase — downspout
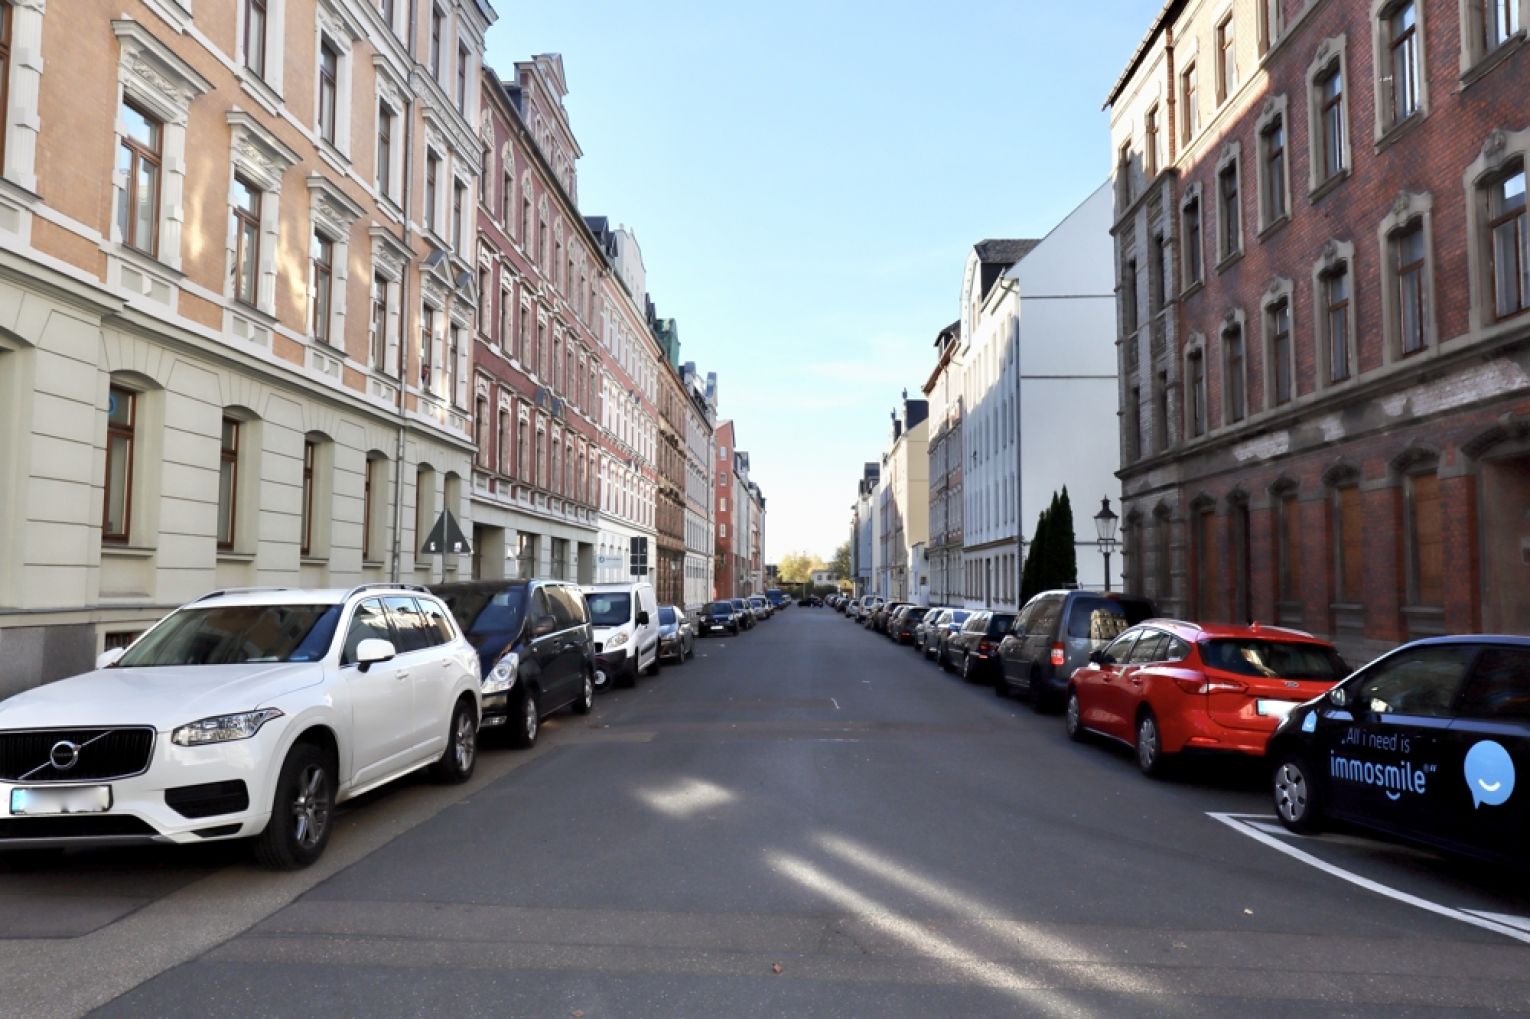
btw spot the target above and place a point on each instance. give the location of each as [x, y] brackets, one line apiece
[395, 558]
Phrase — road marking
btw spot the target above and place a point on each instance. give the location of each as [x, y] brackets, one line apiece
[1255, 827]
[1518, 922]
[835, 703]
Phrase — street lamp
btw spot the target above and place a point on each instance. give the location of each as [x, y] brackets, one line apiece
[1105, 527]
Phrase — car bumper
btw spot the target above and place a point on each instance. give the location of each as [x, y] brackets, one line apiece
[1199, 733]
[615, 665]
[671, 647]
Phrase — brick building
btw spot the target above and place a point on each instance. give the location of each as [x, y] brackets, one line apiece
[1324, 315]
[669, 578]
[943, 391]
[726, 573]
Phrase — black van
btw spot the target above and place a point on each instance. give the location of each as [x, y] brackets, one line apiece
[536, 651]
[1054, 634]
[1425, 743]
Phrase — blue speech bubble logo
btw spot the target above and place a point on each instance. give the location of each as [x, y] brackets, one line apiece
[1489, 773]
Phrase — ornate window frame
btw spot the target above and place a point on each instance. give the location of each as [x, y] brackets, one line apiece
[1195, 347]
[1381, 64]
[1234, 321]
[1231, 156]
[263, 159]
[1500, 150]
[1332, 255]
[1275, 109]
[1280, 290]
[1331, 53]
[1192, 196]
[332, 214]
[1408, 208]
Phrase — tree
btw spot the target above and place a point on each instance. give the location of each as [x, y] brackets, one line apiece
[1052, 560]
[841, 562]
[798, 567]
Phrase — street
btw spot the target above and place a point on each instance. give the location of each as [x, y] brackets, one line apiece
[802, 820]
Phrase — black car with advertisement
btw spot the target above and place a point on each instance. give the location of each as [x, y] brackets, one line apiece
[1425, 743]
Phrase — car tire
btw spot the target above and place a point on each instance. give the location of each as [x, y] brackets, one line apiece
[967, 676]
[945, 661]
[585, 702]
[1073, 718]
[1001, 686]
[526, 721]
[1151, 760]
[460, 757]
[653, 668]
[628, 677]
[1298, 801]
[302, 811]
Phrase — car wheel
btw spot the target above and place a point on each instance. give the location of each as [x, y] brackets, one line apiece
[526, 723]
[1073, 718]
[1001, 685]
[653, 668]
[602, 678]
[1297, 801]
[1150, 756]
[945, 661]
[585, 703]
[460, 757]
[301, 811]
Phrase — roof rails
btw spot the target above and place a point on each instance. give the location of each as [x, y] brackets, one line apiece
[235, 590]
[388, 587]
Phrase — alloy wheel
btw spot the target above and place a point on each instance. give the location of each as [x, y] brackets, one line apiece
[1147, 744]
[311, 807]
[531, 720]
[1291, 793]
[465, 741]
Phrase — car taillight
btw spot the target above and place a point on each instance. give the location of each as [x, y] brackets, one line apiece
[985, 647]
[1059, 655]
[1204, 685]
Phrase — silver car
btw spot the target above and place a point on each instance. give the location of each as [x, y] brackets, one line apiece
[677, 634]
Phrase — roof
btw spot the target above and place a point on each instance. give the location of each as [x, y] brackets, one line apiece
[1006, 251]
[299, 595]
[1171, 9]
[1253, 631]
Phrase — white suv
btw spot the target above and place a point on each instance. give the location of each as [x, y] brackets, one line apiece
[246, 713]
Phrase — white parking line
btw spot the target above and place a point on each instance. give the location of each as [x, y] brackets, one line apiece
[1254, 825]
[835, 703]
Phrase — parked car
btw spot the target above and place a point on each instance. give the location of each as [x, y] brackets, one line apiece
[940, 632]
[677, 634]
[243, 714]
[1053, 636]
[778, 598]
[1425, 743]
[879, 617]
[762, 608]
[536, 649]
[901, 630]
[974, 649]
[626, 620]
[717, 617]
[747, 617]
[1165, 687]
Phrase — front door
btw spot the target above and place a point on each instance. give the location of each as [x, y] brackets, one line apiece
[381, 698]
[1487, 761]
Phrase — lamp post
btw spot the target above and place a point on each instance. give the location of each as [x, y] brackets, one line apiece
[1105, 526]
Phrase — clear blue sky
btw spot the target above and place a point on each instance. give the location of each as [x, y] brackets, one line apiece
[805, 179]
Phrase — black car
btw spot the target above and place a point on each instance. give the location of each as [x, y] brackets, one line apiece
[746, 617]
[536, 650]
[974, 650]
[718, 617]
[901, 627]
[1055, 633]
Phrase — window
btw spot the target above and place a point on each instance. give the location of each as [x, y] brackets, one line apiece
[1191, 216]
[322, 255]
[505, 443]
[427, 344]
[246, 241]
[459, 199]
[1272, 142]
[480, 424]
[1205, 560]
[1158, 277]
[1190, 114]
[1152, 151]
[1229, 211]
[1271, 21]
[1330, 135]
[507, 201]
[121, 430]
[1288, 537]
[1422, 682]
[1402, 89]
[522, 453]
[462, 79]
[1129, 297]
[1499, 22]
[1408, 261]
[454, 365]
[255, 36]
[329, 90]
[432, 179]
[384, 149]
[228, 483]
[139, 160]
[1133, 423]
[5, 71]
[1124, 173]
[1196, 372]
[1509, 239]
[310, 453]
[1500, 686]
[1281, 354]
[1349, 548]
[378, 353]
[437, 21]
[526, 215]
[1234, 364]
[1161, 409]
[1227, 61]
[1426, 541]
[1336, 300]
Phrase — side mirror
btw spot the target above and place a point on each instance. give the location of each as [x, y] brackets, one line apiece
[373, 650]
[1101, 658]
[543, 626]
[106, 659]
[642, 617]
[1338, 697]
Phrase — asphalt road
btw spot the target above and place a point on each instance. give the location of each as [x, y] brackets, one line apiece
[803, 820]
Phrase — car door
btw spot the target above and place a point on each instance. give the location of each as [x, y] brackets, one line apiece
[418, 651]
[1127, 684]
[564, 686]
[544, 645]
[1035, 655]
[1012, 670]
[1099, 687]
[1386, 764]
[1487, 750]
[381, 697]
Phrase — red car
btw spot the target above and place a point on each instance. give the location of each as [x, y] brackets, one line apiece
[1165, 687]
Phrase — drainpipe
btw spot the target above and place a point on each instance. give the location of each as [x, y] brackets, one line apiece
[395, 556]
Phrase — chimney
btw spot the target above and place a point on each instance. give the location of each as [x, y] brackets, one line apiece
[914, 411]
[897, 426]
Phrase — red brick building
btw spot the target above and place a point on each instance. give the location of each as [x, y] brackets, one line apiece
[726, 575]
[1324, 310]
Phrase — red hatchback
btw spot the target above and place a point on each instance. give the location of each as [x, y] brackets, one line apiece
[1165, 687]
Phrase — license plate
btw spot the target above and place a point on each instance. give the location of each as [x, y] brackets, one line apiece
[91, 799]
[1274, 709]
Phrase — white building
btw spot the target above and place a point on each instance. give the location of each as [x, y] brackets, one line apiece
[944, 392]
[904, 501]
[700, 444]
[1040, 392]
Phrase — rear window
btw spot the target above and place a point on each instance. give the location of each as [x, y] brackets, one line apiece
[1274, 659]
[1103, 619]
[999, 623]
[974, 624]
[959, 616]
[917, 613]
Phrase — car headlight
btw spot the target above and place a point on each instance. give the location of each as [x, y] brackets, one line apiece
[617, 641]
[223, 728]
[502, 676]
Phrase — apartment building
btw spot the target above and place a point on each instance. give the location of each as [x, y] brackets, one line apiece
[943, 391]
[903, 503]
[700, 467]
[236, 304]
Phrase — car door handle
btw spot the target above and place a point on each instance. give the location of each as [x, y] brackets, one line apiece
[402, 674]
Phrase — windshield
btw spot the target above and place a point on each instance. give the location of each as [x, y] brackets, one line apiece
[1275, 659]
[609, 608]
[718, 608]
[488, 610]
[667, 616]
[959, 616]
[237, 635]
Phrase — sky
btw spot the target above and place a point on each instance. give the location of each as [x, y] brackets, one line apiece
[806, 179]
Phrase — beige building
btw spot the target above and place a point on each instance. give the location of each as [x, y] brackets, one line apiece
[903, 509]
[236, 302]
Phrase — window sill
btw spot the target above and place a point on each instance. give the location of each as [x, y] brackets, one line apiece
[226, 555]
[313, 560]
[114, 551]
[260, 90]
[1230, 260]
[1486, 62]
[1192, 289]
[372, 564]
[1393, 132]
[260, 315]
[1424, 620]
[148, 263]
[338, 160]
[1272, 228]
[1323, 188]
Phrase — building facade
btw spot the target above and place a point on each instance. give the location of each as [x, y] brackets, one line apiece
[1321, 251]
[903, 513]
[863, 530]
[669, 578]
[700, 464]
[236, 305]
[724, 503]
[943, 390]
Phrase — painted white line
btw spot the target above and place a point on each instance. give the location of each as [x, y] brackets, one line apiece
[1518, 922]
[835, 703]
[1240, 823]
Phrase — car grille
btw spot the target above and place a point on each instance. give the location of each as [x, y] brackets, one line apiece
[29, 756]
[86, 826]
[208, 800]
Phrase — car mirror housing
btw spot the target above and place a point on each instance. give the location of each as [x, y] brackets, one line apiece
[642, 618]
[111, 656]
[1338, 697]
[373, 650]
[1099, 658]
[543, 626]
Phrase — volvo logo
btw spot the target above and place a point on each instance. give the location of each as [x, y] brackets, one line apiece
[64, 755]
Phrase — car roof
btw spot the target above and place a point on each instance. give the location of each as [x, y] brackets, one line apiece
[1252, 631]
[301, 595]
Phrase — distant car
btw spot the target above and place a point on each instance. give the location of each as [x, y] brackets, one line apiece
[762, 608]
[536, 649]
[1165, 686]
[778, 598]
[901, 630]
[878, 620]
[1054, 635]
[746, 614]
[719, 617]
[677, 634]
[974, 650]
[1424, 743]
[938, 634]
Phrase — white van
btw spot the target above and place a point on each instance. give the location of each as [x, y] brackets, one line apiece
[626, 622]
